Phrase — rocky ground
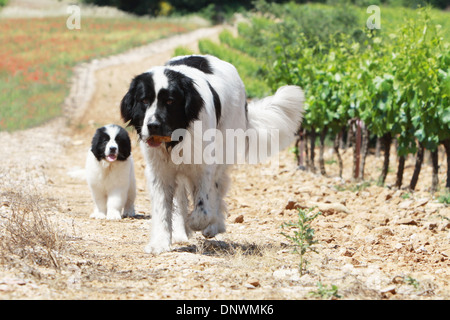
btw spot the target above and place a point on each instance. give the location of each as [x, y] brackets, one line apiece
[372, 242]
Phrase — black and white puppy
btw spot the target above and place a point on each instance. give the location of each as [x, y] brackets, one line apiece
[110, 173]
[190, 97]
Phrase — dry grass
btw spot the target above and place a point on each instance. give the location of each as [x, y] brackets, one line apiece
[26, 231]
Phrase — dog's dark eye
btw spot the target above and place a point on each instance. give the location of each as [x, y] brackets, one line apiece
[169, 102]
[145, 101]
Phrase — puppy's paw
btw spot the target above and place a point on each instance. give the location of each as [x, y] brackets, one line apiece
[113, 215]
[156, 248]
[97, 215]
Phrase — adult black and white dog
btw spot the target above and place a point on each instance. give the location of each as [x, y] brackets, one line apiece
[110, 173]
[190, 97]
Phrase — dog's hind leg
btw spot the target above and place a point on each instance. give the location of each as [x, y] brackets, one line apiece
[180, 229]
[202, 215]
[218, 192]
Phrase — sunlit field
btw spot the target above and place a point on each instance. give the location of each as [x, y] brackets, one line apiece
[37, 57]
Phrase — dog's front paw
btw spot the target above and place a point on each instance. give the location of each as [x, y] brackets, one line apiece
[180, 232]
[113, 215]
[180, 236]
[97, 215]
[157, 248]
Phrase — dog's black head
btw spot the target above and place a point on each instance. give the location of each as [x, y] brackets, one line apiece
[111, 143]
[160, 101]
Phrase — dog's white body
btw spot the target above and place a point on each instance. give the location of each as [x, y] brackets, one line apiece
[225, 108]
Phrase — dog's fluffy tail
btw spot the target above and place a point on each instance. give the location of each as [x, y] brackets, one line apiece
[276, 117]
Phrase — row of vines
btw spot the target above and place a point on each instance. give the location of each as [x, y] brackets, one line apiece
[377, 85]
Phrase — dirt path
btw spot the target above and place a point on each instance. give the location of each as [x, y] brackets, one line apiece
[372, 242]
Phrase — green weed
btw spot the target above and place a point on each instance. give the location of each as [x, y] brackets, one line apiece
[325, 292]
[303, 235]
[412, 282]
[444, 198]
[406, 195]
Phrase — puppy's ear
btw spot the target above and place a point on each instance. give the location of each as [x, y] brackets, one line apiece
[96, 144]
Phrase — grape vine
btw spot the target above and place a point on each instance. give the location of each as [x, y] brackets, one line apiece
[366, 82]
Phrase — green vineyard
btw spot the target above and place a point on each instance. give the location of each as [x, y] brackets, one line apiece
[387, 83]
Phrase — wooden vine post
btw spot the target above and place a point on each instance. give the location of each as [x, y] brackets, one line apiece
[357, 156]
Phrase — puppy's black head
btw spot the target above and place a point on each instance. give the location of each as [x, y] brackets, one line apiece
[111, 143]
[160, 101]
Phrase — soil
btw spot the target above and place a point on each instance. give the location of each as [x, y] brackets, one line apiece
[372, 242]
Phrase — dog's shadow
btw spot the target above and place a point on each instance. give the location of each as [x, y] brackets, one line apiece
[223, 248]
[139, 217]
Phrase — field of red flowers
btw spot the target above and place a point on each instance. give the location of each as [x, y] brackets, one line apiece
[37, 56]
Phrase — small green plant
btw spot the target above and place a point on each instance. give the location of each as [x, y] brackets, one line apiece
[361, 186]
[444, 198]
[295, 151]
[412, 282]
[303, 237]
[354, 187]
[325, 292]
[406, 195]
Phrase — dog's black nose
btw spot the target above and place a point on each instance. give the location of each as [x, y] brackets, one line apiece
[112, 149]
[154, 127]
